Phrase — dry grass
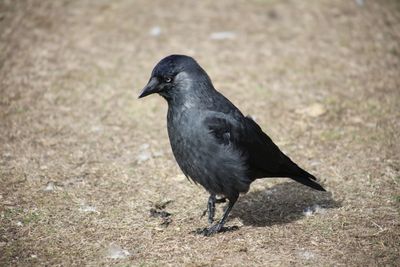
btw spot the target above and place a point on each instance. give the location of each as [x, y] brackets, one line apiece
[70, 121]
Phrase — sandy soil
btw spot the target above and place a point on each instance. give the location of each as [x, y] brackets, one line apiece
[83, 162]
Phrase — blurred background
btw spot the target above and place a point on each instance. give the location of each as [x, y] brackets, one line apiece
[86, 168]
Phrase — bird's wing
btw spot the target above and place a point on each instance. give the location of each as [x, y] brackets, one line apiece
[263, 158]
[221, 129]
[244, 134]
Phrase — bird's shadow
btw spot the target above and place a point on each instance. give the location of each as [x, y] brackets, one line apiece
[280, 204]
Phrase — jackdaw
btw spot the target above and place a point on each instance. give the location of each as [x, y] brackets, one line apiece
[214, 144]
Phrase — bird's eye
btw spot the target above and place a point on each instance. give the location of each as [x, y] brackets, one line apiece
[167, 79]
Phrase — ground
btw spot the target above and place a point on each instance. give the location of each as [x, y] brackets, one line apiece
[87, 176]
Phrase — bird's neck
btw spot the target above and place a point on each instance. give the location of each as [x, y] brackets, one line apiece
[196, 95]
[182, 103]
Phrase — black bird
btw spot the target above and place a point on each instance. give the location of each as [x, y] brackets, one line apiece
[213, 143]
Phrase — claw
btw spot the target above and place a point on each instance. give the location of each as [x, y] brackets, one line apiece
[217, 228]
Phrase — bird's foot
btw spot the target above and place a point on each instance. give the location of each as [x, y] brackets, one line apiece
[216, 228]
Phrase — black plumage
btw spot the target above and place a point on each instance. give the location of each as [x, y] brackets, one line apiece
[213, 142]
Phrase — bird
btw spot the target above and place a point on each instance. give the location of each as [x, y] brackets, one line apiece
[214, 144]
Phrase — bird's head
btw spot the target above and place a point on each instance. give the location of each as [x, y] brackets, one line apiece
[174, 76]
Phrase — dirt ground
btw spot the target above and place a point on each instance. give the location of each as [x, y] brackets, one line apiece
[87, 176]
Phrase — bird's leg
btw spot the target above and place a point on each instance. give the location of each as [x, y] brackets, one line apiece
[219, 226]
[211, 208]
[212, 200]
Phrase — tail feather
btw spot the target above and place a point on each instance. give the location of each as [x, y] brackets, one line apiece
[307, 179]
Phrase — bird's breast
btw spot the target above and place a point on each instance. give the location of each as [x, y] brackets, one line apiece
[188, 139]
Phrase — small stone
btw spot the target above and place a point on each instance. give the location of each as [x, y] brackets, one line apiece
[315, 110]
[179, 178]
[307, 255]
[356, 119]
[144, 146]
[43, 167]
[116, 252]
[155, 31]
[307, 211]
[143, 156]
[314, 209]
[89, 209]
[96, 128]
[144, 153]
[158, 153]
[360, 2]
[50, 187]
[222, 35]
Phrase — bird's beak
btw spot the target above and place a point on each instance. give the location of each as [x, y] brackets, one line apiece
[150, 88]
